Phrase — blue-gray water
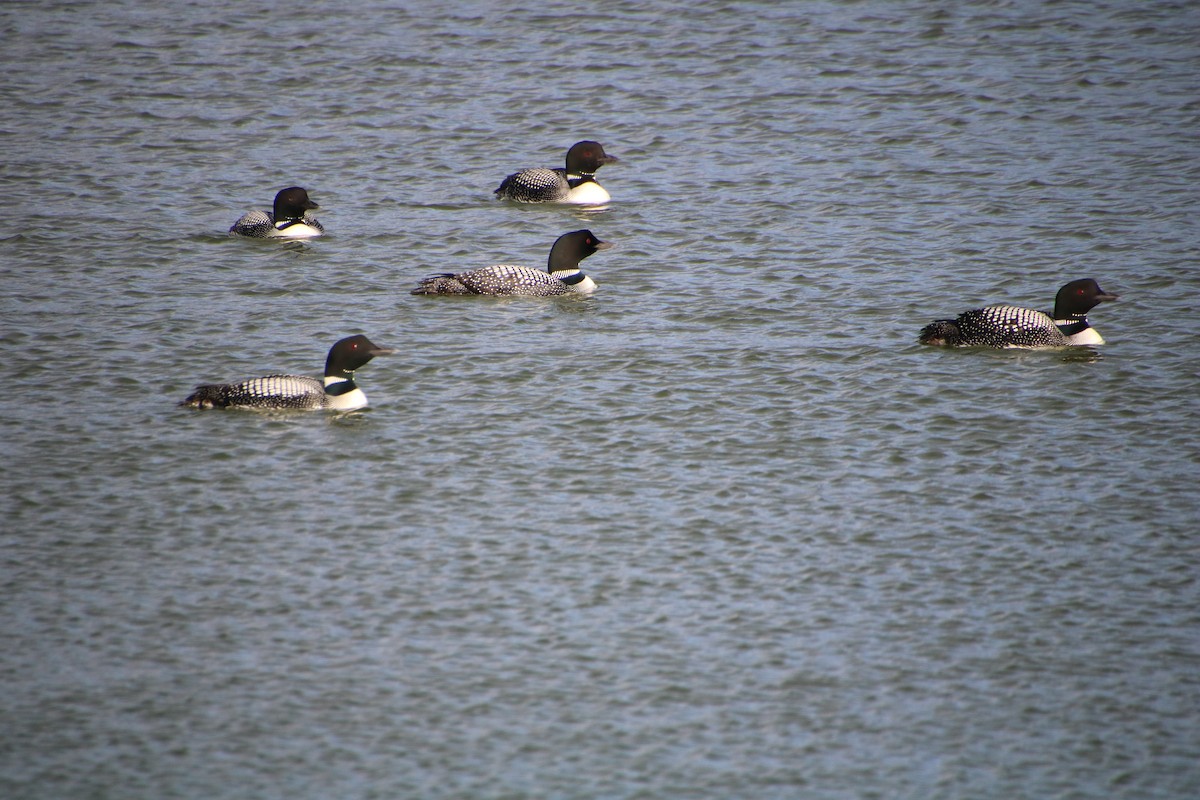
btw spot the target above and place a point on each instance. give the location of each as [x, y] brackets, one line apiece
[723, 530]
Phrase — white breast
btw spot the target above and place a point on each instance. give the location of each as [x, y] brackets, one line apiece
[297, 231]
[348, 401]
[588, 193]
[355, 398]
[1086, 336]
[585, 286]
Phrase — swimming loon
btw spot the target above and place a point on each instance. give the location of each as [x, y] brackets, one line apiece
[289, 219]
[338, 391]
[576, 184]
[1014, 326]
[562, 276]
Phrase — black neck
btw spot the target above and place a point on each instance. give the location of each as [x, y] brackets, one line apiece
[341, 387]
[571, 280]
[1074, 327]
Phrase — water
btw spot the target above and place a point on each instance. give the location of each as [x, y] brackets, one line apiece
[723, 530]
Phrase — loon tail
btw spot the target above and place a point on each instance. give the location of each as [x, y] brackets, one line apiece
[445, 283]
[942, 332]
[212, 396]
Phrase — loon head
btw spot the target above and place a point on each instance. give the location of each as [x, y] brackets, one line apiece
[291, 203]
[1077, 298]
[571, 248]
[584, 158]
[349, 354]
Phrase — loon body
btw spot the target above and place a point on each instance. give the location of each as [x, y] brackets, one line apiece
[576, 184]
[288, 220]
[337, 391]
[1005, 326]
[562, 275]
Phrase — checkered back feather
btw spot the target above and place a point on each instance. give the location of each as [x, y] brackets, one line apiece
[537, 185]
[995, 326]
[500, 280]
[269, 391]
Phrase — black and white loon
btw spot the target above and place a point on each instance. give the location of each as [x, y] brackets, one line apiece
[576, 184]
[1013, 326]
[337, 391]
[289, 220]
[562, 275]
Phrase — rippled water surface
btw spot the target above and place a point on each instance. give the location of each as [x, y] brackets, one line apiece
[723, 530]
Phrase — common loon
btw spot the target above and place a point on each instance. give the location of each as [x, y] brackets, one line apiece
[1014, 326]
[562, 276]
[289, 219]
[576, 184]
[338, 391]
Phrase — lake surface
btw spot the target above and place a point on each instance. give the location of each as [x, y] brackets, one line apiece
[723, 530]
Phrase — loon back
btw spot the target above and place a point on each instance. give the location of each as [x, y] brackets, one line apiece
[995, 326]
[269, 391]
[537, 185]
[256, 224]
[498, 280]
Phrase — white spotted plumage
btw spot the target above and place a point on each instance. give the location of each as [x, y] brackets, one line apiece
[537, 185]
[499, 280]
[272, 391]
[1010, 326]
